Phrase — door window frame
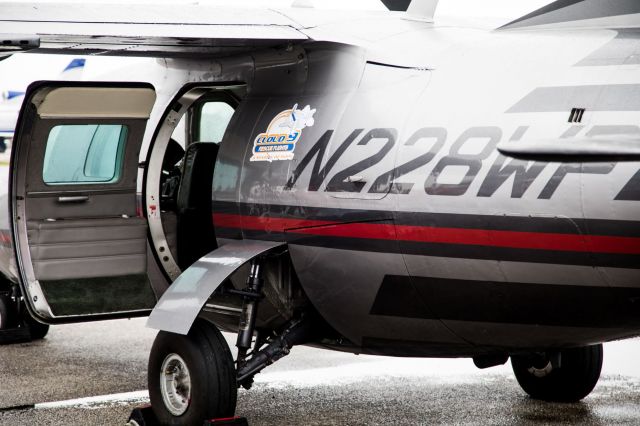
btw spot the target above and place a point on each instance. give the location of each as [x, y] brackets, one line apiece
[180, 106]
[194, 115]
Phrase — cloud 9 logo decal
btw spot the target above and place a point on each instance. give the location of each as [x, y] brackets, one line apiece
[279, 141]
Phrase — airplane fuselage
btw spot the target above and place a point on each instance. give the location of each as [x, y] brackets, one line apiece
[408, 231]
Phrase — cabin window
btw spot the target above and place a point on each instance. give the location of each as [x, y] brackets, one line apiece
[84, 154]
[213, 119]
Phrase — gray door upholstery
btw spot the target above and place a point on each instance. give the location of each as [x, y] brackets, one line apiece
[77, 248]
[91, 266]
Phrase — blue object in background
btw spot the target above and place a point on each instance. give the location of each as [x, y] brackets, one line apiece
[10, 94]
[75, 63]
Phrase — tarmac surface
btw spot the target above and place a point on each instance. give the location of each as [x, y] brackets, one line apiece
[95, 373]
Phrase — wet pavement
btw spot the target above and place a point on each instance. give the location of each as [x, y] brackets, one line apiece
[107, 361]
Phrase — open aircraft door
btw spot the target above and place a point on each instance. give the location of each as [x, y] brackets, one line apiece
[80, 243]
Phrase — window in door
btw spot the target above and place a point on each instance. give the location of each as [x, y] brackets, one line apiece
[84, 154]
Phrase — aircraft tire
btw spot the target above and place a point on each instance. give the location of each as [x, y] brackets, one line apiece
[575, 379]
[37, 329]
[202, 384]
[4, 312]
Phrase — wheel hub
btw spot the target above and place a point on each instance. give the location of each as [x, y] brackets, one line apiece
[175, 384]
[541, 372]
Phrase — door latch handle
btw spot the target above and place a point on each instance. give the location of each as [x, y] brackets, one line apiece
[355, 179]
[73, 199]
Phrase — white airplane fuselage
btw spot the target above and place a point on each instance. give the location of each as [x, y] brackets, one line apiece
[358, 192]
[448, 241]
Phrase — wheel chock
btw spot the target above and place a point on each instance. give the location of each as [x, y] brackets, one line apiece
[236, 421]
[143, 416]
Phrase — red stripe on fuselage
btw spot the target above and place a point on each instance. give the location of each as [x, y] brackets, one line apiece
[264, 223]
[430, 234]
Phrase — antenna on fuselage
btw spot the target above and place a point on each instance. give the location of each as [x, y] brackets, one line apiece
[419, 10]
[422, 10]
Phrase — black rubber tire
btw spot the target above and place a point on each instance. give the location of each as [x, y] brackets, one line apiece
[4, 312]
[212, 370]
[577, 376]
[37, 329]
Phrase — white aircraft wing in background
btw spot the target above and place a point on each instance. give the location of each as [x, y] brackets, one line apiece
[18, 72]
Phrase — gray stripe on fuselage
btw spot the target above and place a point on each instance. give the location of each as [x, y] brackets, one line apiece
[575, 10]
[624, 49]
[542, 12]
[533, 335]
[614, 97]
[542, 273]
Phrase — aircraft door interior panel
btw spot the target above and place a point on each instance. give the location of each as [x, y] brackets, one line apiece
[81, 244]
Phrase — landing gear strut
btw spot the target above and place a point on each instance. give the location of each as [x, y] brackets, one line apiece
[561, 376]
[252, 295]
[298, 331]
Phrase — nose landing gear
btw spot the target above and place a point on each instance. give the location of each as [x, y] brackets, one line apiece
[193, 378]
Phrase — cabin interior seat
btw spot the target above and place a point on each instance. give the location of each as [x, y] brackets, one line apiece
[196, 233]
